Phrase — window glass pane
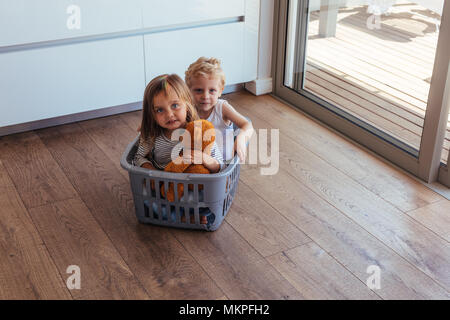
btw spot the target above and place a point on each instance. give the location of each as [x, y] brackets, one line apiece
[373, 59]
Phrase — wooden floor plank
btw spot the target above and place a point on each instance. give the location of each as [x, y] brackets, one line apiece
[5, 179]
[313, 273]
[73, 237]
[435, 216]
[27, 270]
[420, 246]
[261, 225]
[132, 119]
[337, 204]
[156, 258]
[111, 142]
[412, 241]
[235, 266]
[91, 173]
[162, 264]
[342, 238]
[384, 180]
[36, 175]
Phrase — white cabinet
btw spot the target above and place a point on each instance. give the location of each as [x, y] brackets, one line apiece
[174, 51]
[171, 12]
[48, 70]
[27, 21]
[50, 82]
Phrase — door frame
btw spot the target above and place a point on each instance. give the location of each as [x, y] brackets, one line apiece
[424, 164]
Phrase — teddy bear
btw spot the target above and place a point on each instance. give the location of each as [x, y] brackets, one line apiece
[201, 133]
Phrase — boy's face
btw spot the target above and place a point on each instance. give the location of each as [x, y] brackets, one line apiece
[206, 91]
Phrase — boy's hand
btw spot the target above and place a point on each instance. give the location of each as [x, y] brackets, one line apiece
[241, 147]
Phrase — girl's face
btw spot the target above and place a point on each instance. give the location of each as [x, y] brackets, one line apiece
[206, 92]
[170, 111]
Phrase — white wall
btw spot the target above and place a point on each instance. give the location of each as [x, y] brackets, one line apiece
[263, 82]
[265, 39]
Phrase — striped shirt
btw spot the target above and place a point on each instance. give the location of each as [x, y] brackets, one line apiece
[163, 151]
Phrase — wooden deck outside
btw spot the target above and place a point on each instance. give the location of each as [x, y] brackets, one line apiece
[382, 74]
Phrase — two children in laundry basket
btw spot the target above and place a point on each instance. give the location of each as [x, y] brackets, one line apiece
[170, 103]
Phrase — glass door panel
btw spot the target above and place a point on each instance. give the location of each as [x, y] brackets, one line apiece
[370, 61]
[445, 149]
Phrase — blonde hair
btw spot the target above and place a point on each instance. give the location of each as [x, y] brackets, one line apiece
[205, 67]
[149, 126]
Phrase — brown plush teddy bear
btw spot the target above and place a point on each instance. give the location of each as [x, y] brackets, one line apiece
[202, 135]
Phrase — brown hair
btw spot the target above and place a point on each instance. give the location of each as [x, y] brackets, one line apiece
[149, 126]
[205, 67]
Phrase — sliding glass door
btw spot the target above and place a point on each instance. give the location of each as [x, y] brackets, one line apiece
[374, 70]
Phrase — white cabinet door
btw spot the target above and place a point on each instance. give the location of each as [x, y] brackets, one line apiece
[26, 21]
[158, 13]
[174, 51]
[50, 82]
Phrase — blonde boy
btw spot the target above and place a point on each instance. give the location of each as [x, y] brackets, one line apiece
[206, 80]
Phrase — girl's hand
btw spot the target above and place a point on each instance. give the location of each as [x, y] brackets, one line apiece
[193, 157]
[148, 165]
[198, 157]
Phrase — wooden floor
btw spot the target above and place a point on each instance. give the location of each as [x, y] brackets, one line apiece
[309, 232]
[381, 75]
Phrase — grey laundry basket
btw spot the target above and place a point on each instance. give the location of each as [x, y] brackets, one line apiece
[210, 194]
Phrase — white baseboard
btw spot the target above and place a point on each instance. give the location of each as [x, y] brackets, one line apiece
[233, 88]
[70, 118]
[259, 86]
